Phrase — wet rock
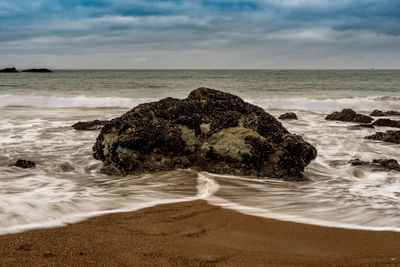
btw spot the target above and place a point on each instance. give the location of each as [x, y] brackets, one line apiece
[22, 163]
[288, 116]
[38, 70]
[349, 115]
[361, 126]
[389, 164]
[209, 130]
[9, 70]
[387, 122]
[380, 113]
[388, 136]
[89, 125]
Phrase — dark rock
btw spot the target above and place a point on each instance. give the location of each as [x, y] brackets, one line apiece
[89, 125]
[388, 136]
[37, 70]
[389, 164]
[22, 163]
[210, 130]
[9, 70]
[288, 116]
[361, 126]
[379, 113]
[349, 115]
[387, 122]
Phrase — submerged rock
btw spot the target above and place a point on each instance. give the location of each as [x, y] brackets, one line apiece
[89, 125]
[209, 130]
[22, 163]
[288, 116]
[361, 126]
[387, 122]
[9, 70]
[388, 136]
[37, 70]
[349, 115]
[380, 113]
[389, 164]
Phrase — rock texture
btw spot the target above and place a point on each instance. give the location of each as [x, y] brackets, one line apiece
[380, 113]
[210, 130]
[38, 70]
[89, 125]
[388, 136]
[9, 70]
[288, 116]
[389, 164]
[349, 115]
[22, 163]
[387, 122]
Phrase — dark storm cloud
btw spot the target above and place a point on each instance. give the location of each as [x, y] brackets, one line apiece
[284, 33]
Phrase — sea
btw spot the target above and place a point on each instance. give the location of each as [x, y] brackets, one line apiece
[66, 186]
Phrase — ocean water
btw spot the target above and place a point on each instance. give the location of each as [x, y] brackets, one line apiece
[37, 111]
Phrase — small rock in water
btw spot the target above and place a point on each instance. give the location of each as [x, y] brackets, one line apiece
[361, 126]
[9, 70]
[389, 164]
[22, 163]
[388, 136]
[89, 125]
[288, 116]
[349, 115]
[209, 130]
[380, 113]
[387, 122]
[38, 70]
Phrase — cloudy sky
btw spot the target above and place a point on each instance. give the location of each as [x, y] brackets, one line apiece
[200, 34]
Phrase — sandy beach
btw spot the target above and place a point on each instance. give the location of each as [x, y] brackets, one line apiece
[197, 234]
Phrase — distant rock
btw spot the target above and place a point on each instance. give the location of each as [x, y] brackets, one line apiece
[89, 125]
[388, 136]
[209, 130]
[387, 122]
[379, 113]
[9, 70]
[38, 70]
[22, 163]
[288, 116]
[389, 164]
[349, 115]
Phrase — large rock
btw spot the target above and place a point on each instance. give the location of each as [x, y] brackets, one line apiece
[349, 115]
[38, 70]
[9, 70]
[387, 122]
[89, 125]
[380, 113]
[210, 130]
[388, 136]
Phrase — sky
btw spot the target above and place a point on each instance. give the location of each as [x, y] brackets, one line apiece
[178, 34]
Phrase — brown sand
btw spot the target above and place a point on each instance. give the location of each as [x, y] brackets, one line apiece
[197, 234]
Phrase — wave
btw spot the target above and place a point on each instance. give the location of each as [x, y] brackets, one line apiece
[298, 103]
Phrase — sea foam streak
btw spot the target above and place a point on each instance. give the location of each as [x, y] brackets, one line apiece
[320, 104]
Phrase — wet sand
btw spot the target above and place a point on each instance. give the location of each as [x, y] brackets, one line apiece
[197, 234]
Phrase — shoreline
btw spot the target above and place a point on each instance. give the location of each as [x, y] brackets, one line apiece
[196, 233]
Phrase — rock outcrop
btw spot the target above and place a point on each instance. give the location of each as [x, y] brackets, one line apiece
[349, 115]
[9, 70]
[387, 122]
[37, 70]
[209, 130]
[89, 125]
[380, 113]
[288, 116]
[389, 164]
[22, 163]
[388, 136]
